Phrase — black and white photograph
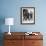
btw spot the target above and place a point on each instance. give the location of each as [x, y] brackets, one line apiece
[27, 15]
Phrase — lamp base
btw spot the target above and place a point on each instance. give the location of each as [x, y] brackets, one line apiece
[9, 33]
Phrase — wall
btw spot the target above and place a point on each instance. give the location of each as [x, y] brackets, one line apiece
[11, 8]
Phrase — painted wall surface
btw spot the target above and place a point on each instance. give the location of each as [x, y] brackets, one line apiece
[11, 8]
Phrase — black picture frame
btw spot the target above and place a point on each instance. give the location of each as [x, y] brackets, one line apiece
[27, 15]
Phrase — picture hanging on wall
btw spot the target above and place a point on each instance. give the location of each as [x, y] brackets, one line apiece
[27, 15]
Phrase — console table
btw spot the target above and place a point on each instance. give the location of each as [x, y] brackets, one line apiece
[21, 39]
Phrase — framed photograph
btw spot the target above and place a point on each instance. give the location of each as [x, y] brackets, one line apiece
[27, 15]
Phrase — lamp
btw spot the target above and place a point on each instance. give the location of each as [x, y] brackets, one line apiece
[9, 21]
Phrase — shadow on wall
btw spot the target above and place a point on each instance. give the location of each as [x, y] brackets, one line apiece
[2, 21]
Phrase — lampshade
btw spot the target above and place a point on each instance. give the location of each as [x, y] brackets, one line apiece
[9, 21]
